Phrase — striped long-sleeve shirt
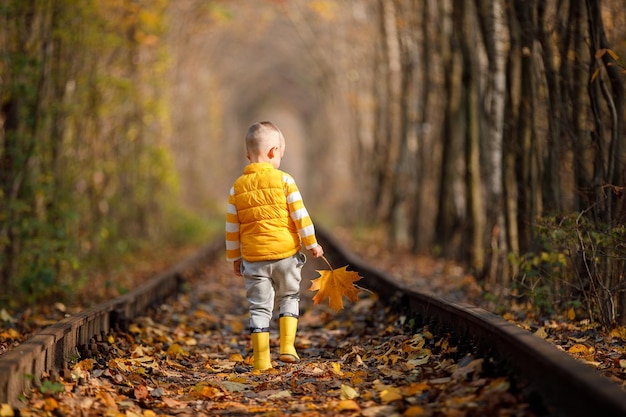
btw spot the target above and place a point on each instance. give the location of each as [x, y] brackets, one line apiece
[266, 218]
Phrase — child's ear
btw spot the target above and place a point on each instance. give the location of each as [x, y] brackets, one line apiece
[271, 153]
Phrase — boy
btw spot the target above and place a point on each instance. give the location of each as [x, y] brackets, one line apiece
[266, 226]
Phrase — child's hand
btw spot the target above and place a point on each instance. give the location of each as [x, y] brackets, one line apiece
[237, 267]
[317, 251]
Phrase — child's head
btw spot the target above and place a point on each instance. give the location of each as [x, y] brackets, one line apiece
[265, 143]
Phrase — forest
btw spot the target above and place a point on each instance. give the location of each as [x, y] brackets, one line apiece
[490, 132]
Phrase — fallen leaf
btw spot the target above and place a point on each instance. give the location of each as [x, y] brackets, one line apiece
[6, 317]
[462, 372]
[416, 343]
[107, 399]
[499, 385]
[456, 402]
[208, 392]
[415, 388]
[175, 350]
[360, 376]
[85, 365]
[571, 314]
[420, 357]
[336, 368]
[119, 364]
[335, 284]
[619, 333]
[50, 404]
[5, 409]
[281, 394]
[10, 334]
[190, 341]
[379, 410]
[348, 393]
[172, 403]
[345, 405]
[390, 395]
[234, 386]
[508, 316]
[236, 357]
[578, 348]
[414, 411]
[141, 392]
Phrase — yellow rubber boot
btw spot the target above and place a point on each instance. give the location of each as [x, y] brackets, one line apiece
[288, 328]
[261, 350]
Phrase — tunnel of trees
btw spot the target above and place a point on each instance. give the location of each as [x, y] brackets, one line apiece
[487, 131]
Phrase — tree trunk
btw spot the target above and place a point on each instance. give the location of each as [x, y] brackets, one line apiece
[527, 168]
[612, 277]
[448, 223]
[554, 153]
[511, 139]
[425, 148]
[582, 145]
[475, 230]
[491, 16]
[614, 102]
[386, 134]
[403, 187]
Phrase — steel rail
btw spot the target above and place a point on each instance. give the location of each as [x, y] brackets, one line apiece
[571, 387]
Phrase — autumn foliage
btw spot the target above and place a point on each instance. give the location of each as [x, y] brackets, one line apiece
[335, 284]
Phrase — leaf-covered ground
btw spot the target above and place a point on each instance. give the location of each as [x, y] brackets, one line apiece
[17, 325]
[193, 358]
[569, 331]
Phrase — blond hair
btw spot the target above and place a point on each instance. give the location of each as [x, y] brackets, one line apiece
[263, 136]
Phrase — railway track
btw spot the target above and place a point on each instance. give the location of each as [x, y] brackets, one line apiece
[50, 350]
[568, 386]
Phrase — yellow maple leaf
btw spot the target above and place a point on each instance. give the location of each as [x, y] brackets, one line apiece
[335, 284]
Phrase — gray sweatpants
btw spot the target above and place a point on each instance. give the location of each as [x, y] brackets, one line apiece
[267, 281]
